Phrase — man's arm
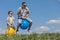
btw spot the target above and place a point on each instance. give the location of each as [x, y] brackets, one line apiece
[27, 13]
[19, 11]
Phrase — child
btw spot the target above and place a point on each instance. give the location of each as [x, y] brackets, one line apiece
[10, 20]
[23, 12]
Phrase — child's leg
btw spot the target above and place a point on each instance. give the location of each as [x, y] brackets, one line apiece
[30, 23]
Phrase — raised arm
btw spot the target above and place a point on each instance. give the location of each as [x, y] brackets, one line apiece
[27, 13]
[19, 12]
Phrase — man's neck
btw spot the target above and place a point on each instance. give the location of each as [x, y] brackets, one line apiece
[23, 7]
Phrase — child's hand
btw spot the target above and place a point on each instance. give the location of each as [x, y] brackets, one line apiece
[10, 25]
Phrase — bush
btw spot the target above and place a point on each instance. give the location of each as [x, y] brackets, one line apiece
[44, 36]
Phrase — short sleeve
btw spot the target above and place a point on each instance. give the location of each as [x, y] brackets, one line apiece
[13, 18]
[19, 9]
[27, 9]
[7, 18]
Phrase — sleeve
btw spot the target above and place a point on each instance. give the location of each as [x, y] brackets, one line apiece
[19, 9]
[27, 10]
[7, 21]
[13, 18]
[27, 13]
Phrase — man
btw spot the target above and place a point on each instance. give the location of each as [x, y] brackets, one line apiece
[23, 12]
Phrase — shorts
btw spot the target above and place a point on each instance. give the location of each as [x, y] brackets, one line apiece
[20, 20]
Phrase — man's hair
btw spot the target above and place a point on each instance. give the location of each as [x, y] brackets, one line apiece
[9, 12]
[23, 3]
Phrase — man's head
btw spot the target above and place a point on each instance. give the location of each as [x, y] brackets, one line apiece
[24, 4]
[10, 13]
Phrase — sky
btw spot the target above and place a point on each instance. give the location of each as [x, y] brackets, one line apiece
[45, 15]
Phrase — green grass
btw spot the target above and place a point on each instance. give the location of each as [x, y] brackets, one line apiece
[44, 36]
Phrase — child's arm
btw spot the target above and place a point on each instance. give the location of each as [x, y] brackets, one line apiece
[12, 24]
[8, 21]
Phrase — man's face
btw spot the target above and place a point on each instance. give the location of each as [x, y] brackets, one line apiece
[24, 5]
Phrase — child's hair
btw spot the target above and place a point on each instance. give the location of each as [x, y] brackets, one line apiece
[9, 12]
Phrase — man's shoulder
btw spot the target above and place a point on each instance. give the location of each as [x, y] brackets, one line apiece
[27, 8]
[19, 8]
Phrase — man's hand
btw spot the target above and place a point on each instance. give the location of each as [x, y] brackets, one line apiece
[26, 16]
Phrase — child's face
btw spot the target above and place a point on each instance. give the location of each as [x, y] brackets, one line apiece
[10, 14]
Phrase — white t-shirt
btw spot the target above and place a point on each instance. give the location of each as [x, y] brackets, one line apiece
[10, 20]
[23, 11]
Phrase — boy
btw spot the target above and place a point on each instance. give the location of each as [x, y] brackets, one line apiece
[10, 20]
[23, 12]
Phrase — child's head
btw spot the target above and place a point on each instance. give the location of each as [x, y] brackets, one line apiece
[10, 13]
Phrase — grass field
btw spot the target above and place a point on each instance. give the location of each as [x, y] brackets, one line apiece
[43, 36]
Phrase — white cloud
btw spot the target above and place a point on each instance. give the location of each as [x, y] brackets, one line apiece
[44, 28]
[41, 29]
[2, 31]
[53, 21]
[57, 31]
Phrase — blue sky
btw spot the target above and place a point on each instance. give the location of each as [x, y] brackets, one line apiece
[45, 14]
